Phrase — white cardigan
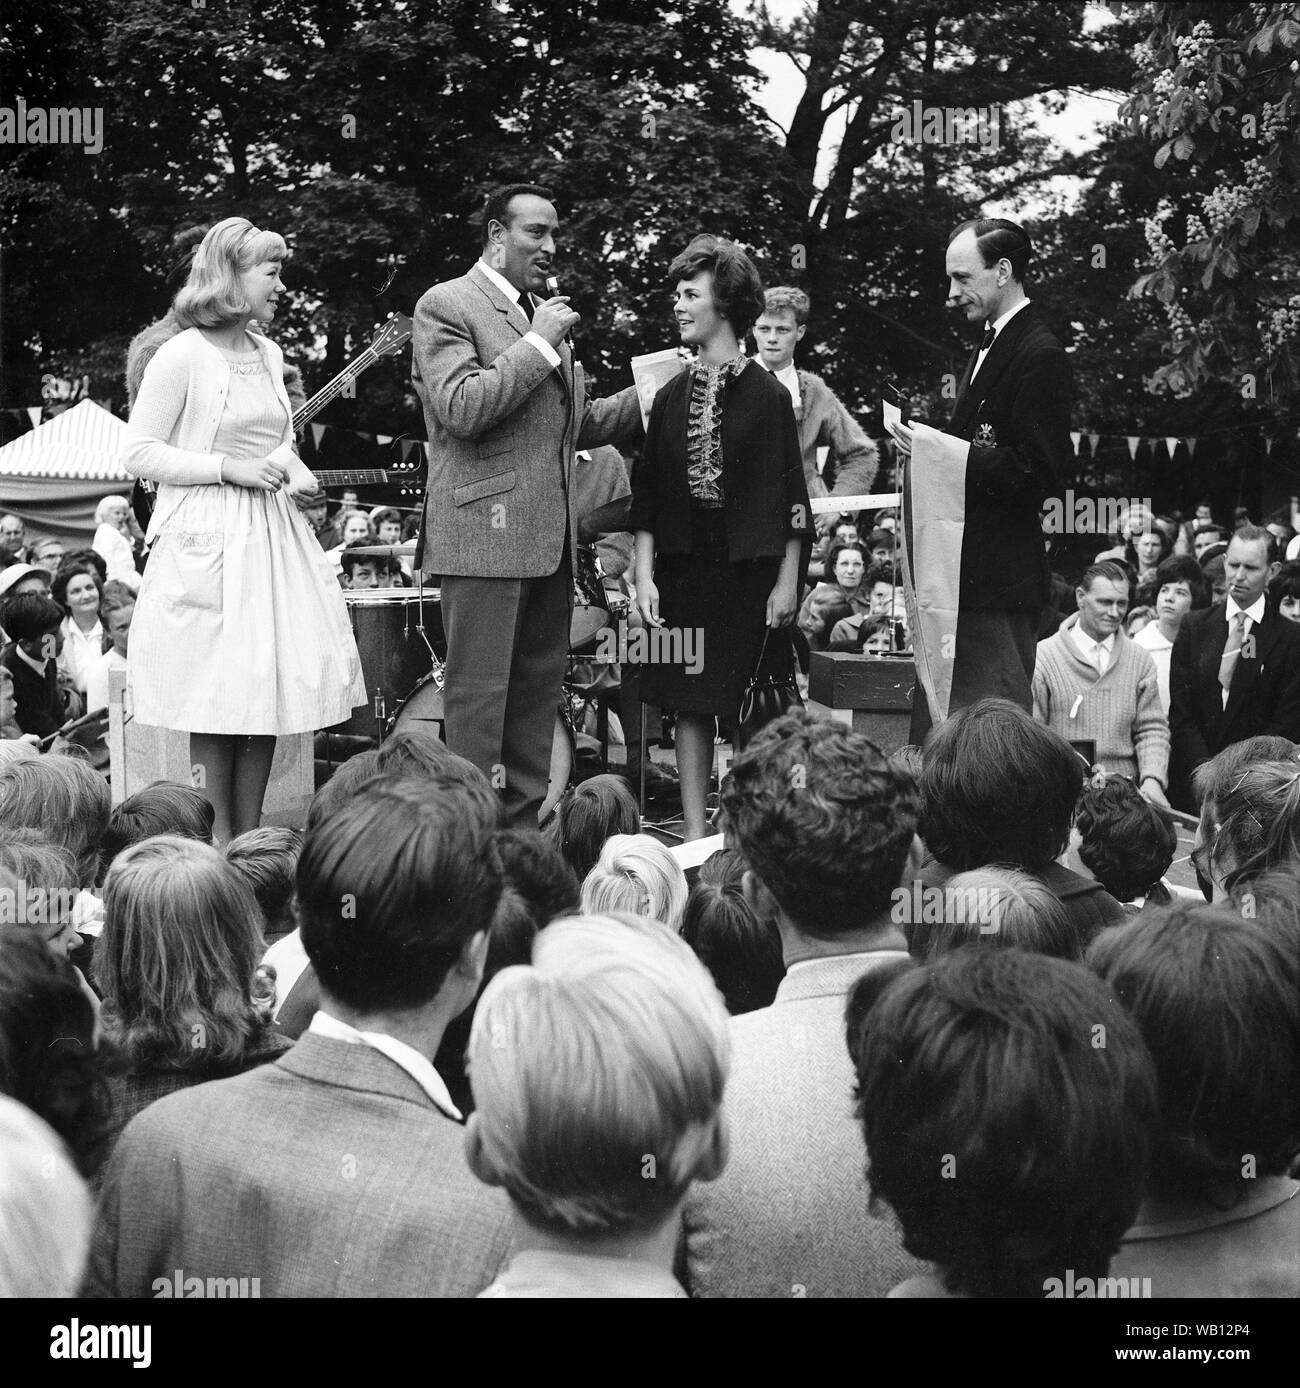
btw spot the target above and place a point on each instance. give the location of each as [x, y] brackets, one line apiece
[174, 423]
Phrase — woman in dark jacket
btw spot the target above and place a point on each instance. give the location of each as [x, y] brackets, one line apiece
[720, 510]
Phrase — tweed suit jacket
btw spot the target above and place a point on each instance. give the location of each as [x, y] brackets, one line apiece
[788, 1216]
[1265, 693]
[328, 1173]
[504, 426]
[1016, 413]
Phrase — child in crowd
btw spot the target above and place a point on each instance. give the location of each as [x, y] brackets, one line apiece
[602, 1106]
[165, 807]
[1284, 590]
[990, 906]
[638, 874]
[267, 859]
[33, 623]
[1124, 841]
[741, 952]
[587, 815]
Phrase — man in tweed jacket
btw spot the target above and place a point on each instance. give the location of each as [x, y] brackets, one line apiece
[506, 408]
[338, 1170]
[1092, 684]
[827, 829]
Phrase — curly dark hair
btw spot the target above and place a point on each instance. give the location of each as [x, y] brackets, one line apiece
[47, 1043]
[1127, 842]
[741, 952]
[737, 287]
[984, 1066]
[823, 819]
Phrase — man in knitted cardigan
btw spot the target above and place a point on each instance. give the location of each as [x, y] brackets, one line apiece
[1092, 684]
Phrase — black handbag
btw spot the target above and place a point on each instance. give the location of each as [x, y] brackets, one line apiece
[772, 691]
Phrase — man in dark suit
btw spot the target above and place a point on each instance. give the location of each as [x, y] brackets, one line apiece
[339, 1169]
[1234, 671]
[1013, 405]
[506, 408]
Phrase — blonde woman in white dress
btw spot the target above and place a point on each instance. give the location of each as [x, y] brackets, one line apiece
[240, 632]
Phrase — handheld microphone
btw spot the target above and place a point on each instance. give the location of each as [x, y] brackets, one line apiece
[553, 288]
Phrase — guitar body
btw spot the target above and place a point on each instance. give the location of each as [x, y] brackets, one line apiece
[387, 341]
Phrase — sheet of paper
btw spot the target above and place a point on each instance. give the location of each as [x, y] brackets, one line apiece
[651, 372]
[891, 414]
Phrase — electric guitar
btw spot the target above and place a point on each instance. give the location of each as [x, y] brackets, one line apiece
[387, 341]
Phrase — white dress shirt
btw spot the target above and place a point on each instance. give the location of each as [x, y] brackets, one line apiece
[1254, 615]
[512, 294]
[997, 328]
[1097, 653]
[789, 378]
[419, 1067]
[81, 650]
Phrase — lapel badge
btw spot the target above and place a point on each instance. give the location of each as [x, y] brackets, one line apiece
[985, 437]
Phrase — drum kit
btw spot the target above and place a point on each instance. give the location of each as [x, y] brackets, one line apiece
[403, 649]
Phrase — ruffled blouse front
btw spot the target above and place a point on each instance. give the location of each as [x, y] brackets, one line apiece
[704, 429]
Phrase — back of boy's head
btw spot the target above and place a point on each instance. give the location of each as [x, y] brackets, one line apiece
[1126, 842]
[165, 807]
[822, 819]
[598, 1073]
[1011, 1143]
[267, 859]
[994, 906]
[587, 816]
[741, 952]
[29, 616]
[537, 886]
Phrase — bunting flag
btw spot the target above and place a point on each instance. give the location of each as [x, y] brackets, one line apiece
[1191, 447]
[1093, 441]
[383, 440]
[1132, 440]
[1268, 444]
[1075, 436]
[317, 434]
[34, 413]
[1171, 444]
[934, 520]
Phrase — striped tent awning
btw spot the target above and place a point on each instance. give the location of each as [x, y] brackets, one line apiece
[83, 442]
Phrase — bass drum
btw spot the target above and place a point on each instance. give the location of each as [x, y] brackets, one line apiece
[424, 708]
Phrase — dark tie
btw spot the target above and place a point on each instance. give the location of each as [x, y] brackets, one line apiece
[987, 341]
[526, 303]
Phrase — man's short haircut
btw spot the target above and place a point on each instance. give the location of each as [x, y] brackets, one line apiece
[497, 206]
[737, 288]
[341, 786]
[822, 819]
[1127, 842]
[1182, 568]
[29, 616]
[1285, 583]
[881, 571]
[741, 952]
[996, 906]
[998, 239]
[394, 883]
[419, 752]
[1218, 999]
[637, 874]
[165, 807]
[267, 859]
[999, 787]
[1009, 1143]
[1250, 533]
[64, 798]
[1109, 569]
[601, 1105]
[785, 298]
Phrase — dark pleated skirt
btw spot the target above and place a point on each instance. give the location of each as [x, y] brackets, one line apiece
[725, 604]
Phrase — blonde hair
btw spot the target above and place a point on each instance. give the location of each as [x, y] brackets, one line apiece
[638, 874]
[181, 943]
[212, 297]
[45, 1209]
[598, 1073]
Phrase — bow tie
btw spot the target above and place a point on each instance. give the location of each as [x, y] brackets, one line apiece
[987, 340]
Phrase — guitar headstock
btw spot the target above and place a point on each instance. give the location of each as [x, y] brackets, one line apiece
[392, 336]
